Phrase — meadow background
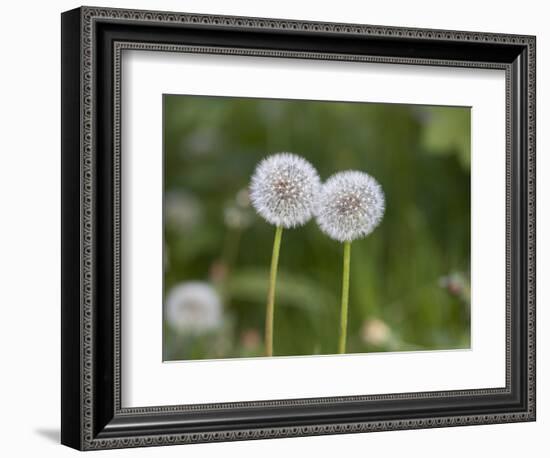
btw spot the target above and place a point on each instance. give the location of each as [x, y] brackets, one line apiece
[409, 279]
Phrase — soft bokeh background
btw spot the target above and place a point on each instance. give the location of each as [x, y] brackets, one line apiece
[409, 279]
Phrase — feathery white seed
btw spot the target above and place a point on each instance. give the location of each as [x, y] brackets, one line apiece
[193, 307]
[283, 190]
[350, 206]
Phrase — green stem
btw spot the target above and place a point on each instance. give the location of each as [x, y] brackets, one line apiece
[271, 292]
[345, 299]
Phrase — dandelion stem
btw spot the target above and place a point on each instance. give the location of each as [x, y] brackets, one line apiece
[271, 292]
[345, 299]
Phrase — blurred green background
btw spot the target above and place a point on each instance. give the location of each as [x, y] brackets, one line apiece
[409, 278]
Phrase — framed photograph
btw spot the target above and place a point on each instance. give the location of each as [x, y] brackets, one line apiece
[276, 228]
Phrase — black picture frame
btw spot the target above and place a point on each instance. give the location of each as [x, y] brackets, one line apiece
[92, 40]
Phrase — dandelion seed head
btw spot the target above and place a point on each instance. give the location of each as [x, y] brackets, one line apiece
[350, 206]
[283, 190]
[193, 307]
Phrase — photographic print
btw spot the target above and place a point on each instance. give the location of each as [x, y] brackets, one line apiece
[298, 227]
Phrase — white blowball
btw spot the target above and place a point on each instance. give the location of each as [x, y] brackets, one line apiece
[194, 307]
[284, 189]
[350, 206]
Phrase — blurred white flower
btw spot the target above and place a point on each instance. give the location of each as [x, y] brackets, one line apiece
[194, 307]
[236, 218]
[457, 284]
[182, 210]
[243, 198]
[237, 213]
[283, 190]
[375, 332]
[350, 206]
